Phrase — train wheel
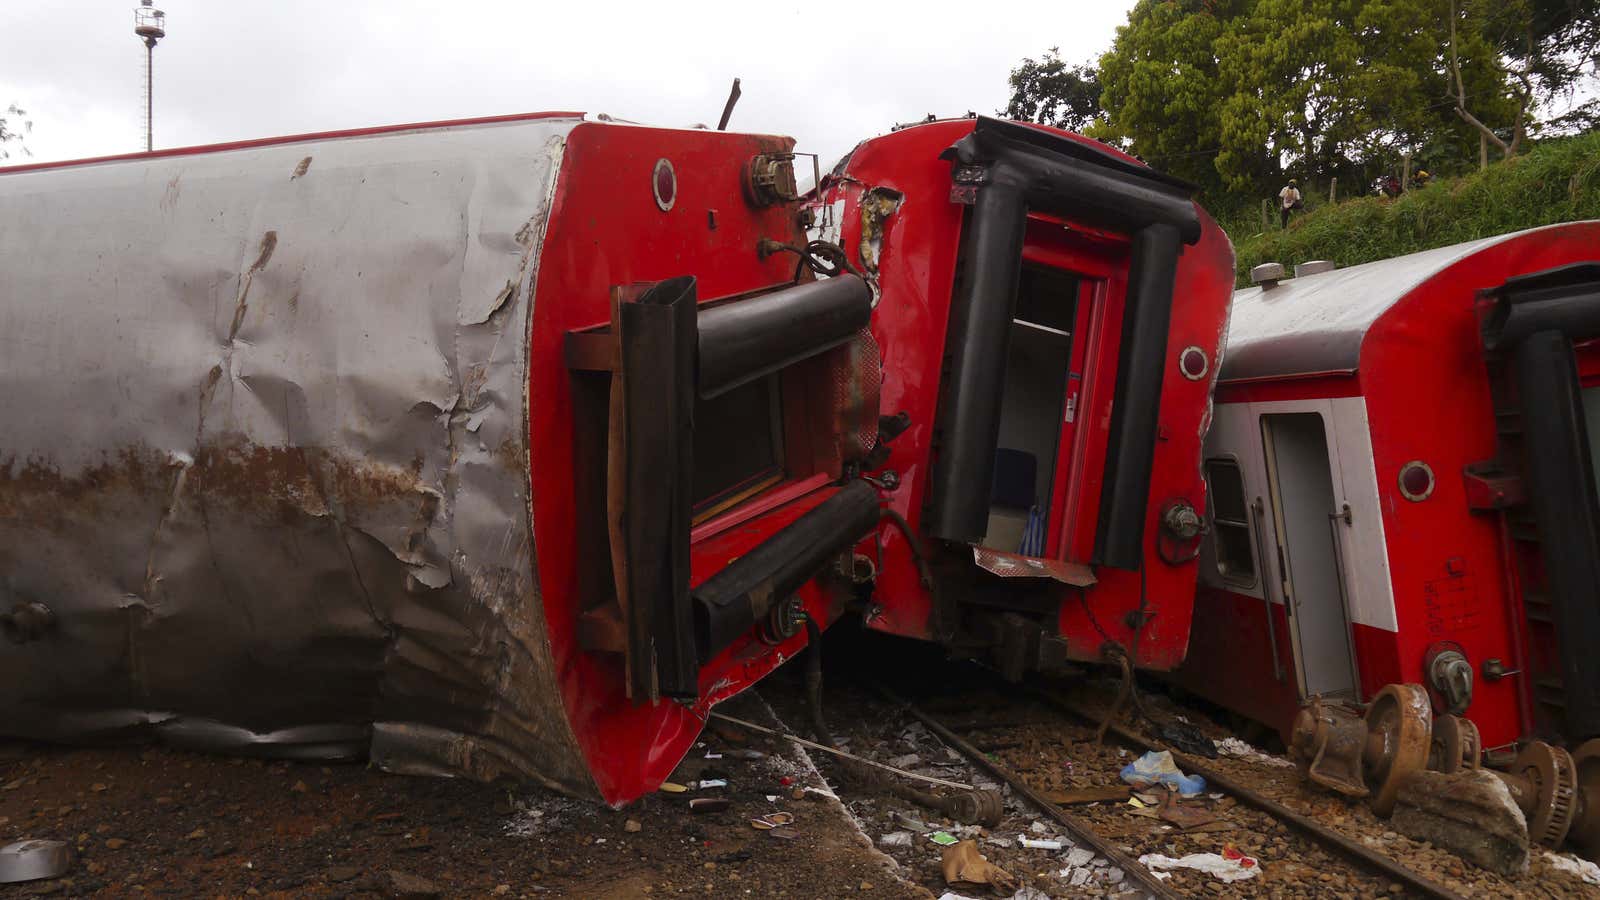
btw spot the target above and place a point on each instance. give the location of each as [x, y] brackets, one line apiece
[1455, 745]
[1550, 772]
[1585, 831]
[1399, 735]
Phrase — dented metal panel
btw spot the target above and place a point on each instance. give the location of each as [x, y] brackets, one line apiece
[265, 451]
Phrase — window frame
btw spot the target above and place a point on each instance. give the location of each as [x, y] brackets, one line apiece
[1229, 577]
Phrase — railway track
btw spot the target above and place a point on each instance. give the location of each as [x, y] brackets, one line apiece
[1336, 863]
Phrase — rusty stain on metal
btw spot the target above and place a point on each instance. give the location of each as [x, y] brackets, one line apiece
[267, 459]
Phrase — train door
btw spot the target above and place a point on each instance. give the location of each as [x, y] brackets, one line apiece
[1300, 482]
[1037, 410]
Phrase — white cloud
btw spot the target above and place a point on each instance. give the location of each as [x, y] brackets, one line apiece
[231, 70]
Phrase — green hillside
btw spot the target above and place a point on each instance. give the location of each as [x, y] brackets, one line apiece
[1558, 181]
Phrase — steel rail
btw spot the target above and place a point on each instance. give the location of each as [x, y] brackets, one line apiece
[1080, 829]
[1315, 830]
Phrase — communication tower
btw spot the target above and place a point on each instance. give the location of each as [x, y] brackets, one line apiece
[149, 25]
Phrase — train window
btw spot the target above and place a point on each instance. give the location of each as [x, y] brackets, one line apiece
[738, 445]
[1230, 522]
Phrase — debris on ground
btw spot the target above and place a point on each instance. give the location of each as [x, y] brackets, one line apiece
[964, 864]
[1234, 748]
[1225, 869]
[1575, 865]
[34, 860]
[1157, 767]
[1470, 813]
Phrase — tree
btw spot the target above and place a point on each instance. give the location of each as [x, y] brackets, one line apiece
[1051, 92]
[1238, 94]
[1161, 88]
[13, 125]
[1545, 49]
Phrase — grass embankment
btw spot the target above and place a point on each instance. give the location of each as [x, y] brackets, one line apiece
[1558, 181]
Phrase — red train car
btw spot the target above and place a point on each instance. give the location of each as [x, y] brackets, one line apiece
[1049, 313]
[507, 448]
[1402, 483]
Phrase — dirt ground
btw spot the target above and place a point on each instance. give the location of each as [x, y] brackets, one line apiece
[152, 820]
[159, 821]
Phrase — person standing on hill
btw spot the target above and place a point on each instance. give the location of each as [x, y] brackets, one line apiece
[1288, 199]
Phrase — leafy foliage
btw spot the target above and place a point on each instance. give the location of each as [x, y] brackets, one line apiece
[1238, 95]
[1052, 92]
[1557, 181]
[13, 125]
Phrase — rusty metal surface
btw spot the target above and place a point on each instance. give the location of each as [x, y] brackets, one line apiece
[265, 451]
[1016, 565]
[1316, 323]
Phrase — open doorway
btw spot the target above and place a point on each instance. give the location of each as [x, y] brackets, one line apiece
[1033, 410]
[1300, 480]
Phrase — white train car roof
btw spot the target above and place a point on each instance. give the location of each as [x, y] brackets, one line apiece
[1317, 324]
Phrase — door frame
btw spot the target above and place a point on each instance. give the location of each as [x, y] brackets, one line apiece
[1282, 565]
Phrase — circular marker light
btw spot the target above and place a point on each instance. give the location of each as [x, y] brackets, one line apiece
[665, 184]
[1416, 481]
[1192, 362]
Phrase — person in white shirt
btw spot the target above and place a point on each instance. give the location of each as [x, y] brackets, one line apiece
[1288, 199]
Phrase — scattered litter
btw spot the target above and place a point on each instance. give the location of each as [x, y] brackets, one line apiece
[782, 834]
[911, 822]
[712, 783]
[952, 895]
[964, 864]
[1032, 844]
[632, 826]
[771, 821]
[1229, 870]
[1087, 795]
[1038, 828]
[1079, 856]
[943, 838]
[1150, 798]
[1184, 816]
[896, 839]
[1122, 752]
[812, 793]
[1183, 736]
[772, 798]
[1136, 803]
[744, 753]
[33, 860]
[1237, 749]
[1215, 796]
[1566, 862]
[905, 762]
[1029, 893]
[999, 841]
[709, 804]
[710, 755]
[668, 787]
[1158, 768]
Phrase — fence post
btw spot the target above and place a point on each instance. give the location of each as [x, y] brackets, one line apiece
[1405, 178]
[1333, 190]
[1266, 214]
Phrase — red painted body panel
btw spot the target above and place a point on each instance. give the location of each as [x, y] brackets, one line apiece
[919, 253]
[605, 229]
[1423, 377]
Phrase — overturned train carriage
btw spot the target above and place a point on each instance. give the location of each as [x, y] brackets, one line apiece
[508, 447]
[1403, 472]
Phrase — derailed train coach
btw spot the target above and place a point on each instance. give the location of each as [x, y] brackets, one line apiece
[506, 448]
[1404, 523]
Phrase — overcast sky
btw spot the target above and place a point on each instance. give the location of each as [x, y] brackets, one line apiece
[827, 74]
